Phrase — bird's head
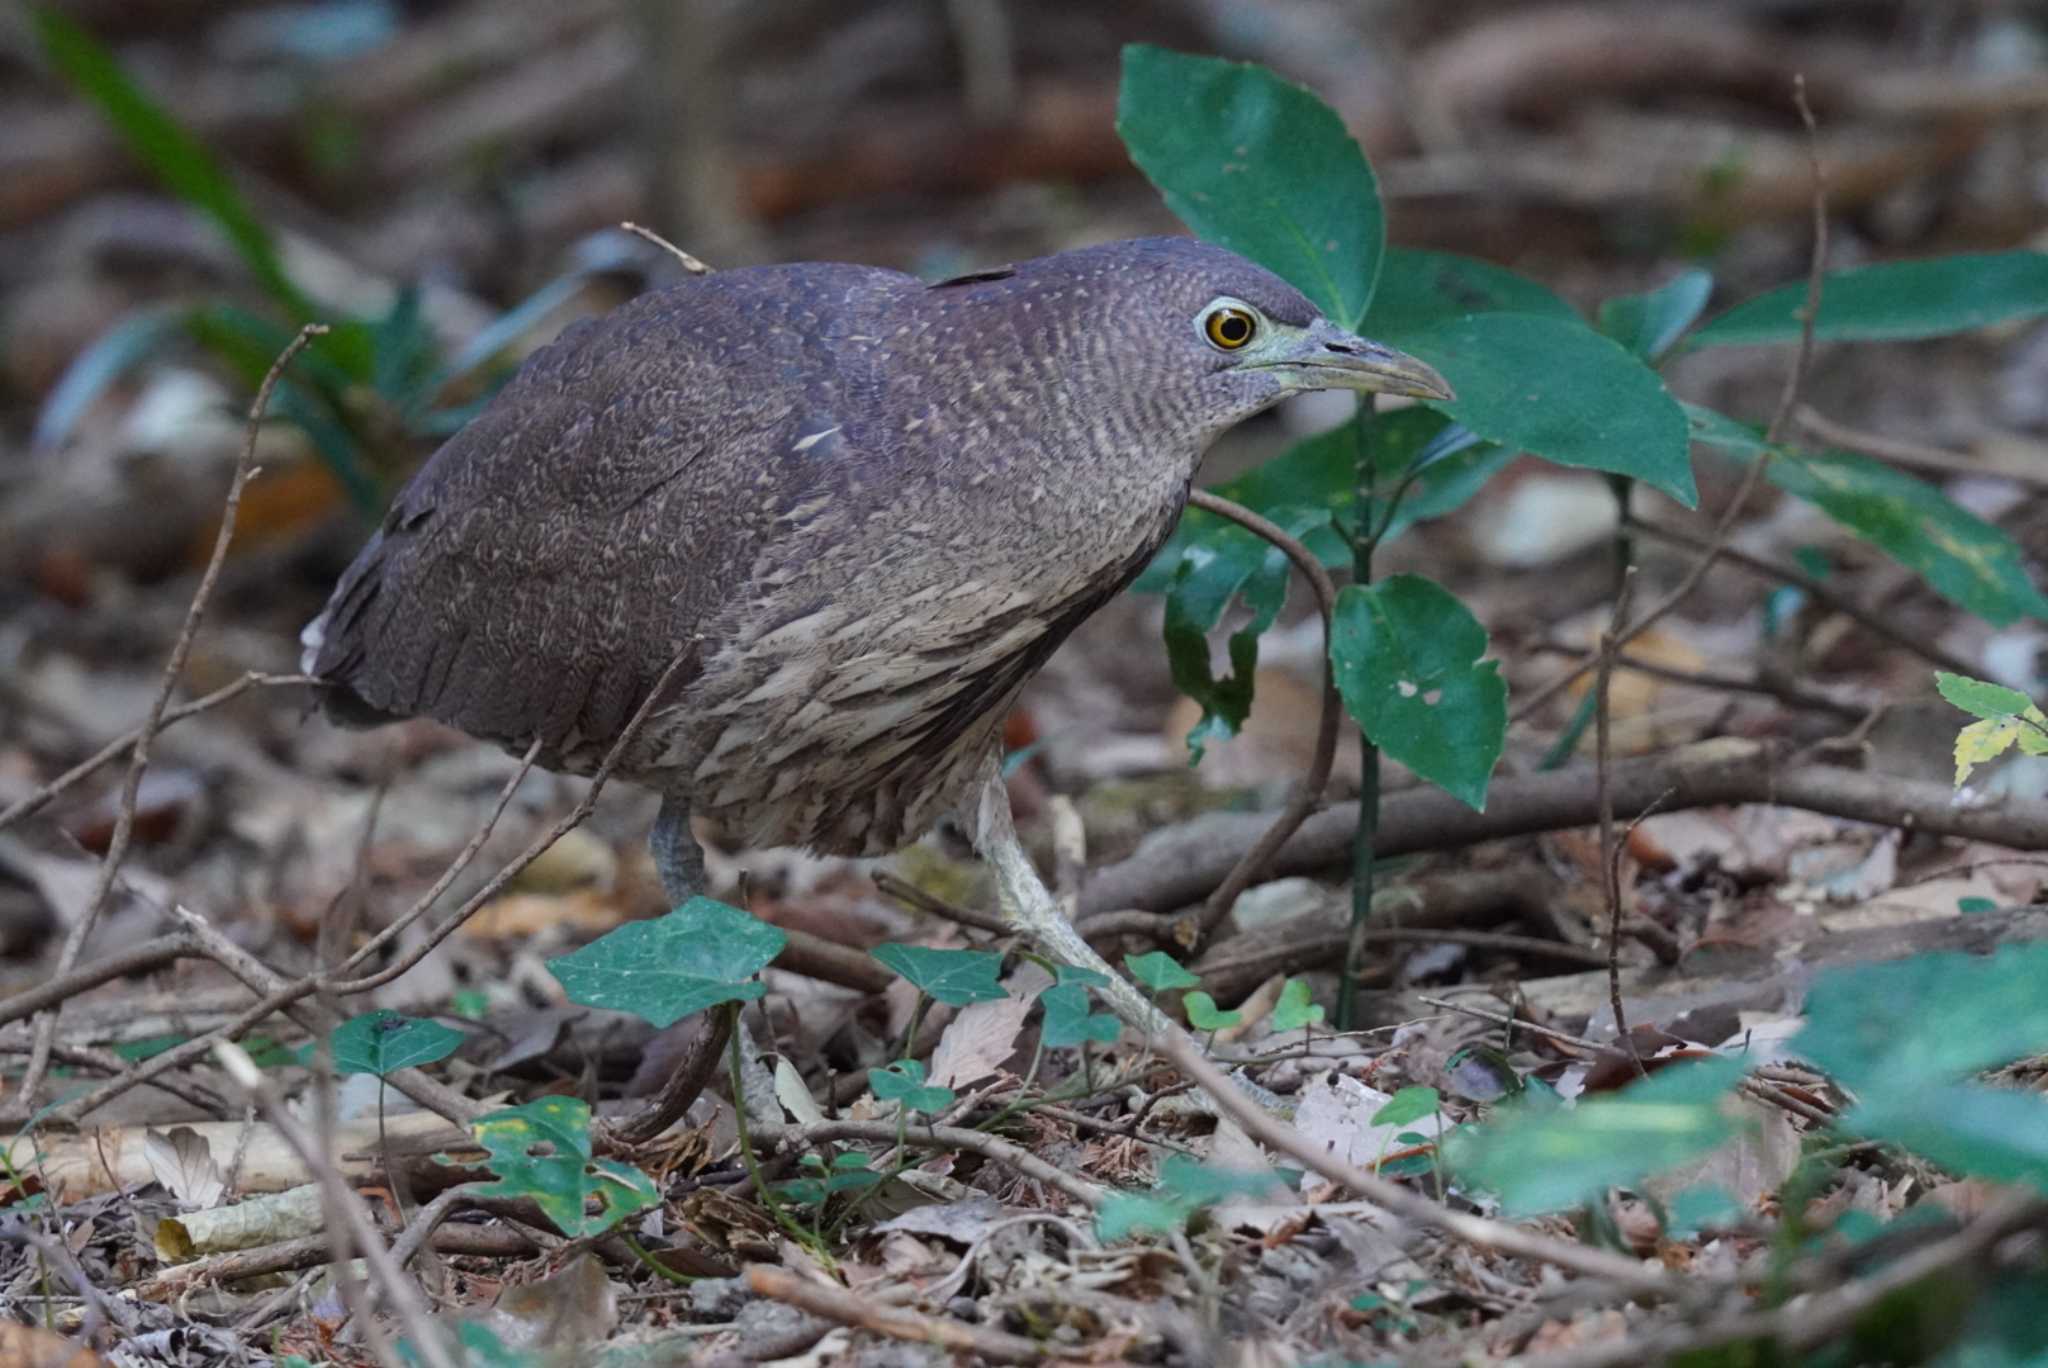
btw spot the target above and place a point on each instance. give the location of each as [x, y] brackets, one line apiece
[1186, 327]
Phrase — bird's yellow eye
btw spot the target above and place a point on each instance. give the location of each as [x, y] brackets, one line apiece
[1229, 329]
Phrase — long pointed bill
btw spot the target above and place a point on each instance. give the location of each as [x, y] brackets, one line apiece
[1327, 357]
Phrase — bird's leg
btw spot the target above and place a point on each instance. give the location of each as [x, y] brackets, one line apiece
[677, 856]
[1029, 906]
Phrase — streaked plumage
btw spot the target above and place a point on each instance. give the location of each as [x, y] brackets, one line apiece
[865, 509]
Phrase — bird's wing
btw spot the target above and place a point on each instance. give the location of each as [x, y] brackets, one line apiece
[544, 569]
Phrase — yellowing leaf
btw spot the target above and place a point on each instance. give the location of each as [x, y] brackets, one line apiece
[1985, 741]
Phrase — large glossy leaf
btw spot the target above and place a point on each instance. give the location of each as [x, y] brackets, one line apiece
[1557, 389]
[703, 953]
[1894, 301]
[1963, 558]
[1549, 1160]
[170, 152]
[1892, 1030]
[1419, 289]
[1995, 1133]
[1407, 660]
[1260, 166]
[1651, 323]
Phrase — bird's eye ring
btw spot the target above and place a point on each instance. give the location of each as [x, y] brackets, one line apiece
[1229, 329]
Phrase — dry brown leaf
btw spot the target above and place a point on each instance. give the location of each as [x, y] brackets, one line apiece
[978, 1041]
[519, 915]
[25, 1346]
[182, 1161]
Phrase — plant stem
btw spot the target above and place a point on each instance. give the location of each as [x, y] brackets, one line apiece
[1365, 542]
[739, 1116]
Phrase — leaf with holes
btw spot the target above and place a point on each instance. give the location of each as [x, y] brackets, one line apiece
[1650, 324]
[382, 1042]
[1555, 388]
[1231, 563]
[542, 1151]
[702, 954]
[954, 977]
[903, 1083]
[1260, 166]
[1895, 301]
[1407, 661]
[1963, 558]
[1158, 971]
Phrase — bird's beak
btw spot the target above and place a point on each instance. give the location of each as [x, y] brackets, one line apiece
[1325, 356]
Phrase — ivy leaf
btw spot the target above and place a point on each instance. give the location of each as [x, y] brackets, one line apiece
[1258, 165]
[1420, 289]
[1963, 558]
[1409, 1104]
[1557, 389]
[1068, 1020]
[954, 977]
[1407, 661]
[1204, 1015]
[903, 1083]
[1650, 324]
[542, 1151]
[1294, 1010]
[1895, 301]
[1158, 971]
[702, 954]
[383, 1042]
[1186, 1185]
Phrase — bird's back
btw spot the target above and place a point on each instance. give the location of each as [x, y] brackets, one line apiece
[541, 572]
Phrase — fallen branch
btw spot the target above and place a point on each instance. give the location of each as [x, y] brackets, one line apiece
[1179, 865]
[849, 1308]
[991, 1147]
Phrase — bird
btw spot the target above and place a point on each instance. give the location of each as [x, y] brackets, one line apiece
[839, 515]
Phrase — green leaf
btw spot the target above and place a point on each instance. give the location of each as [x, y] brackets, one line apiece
[1129, 1213]
[1233, 562]
[903, 1083]
[1650, 325]
[171, 153]
[1891, 1030]
[1420, 289]
[1409, 1104]
[1294, 1010]
[954, 977]
[1963, 558]
[1069, 1021]
[542, 1151]
[382, 1042]
[1260, 166]
[132, 339]
[1995, 1133]
[1198, 1184]
[1407, 661]
[1702, 1206]
[1979, 698]
[697, 956]
[1204, 1015]
[1159, 971]
[1893, 302]
[1557, 389]
[1972, 906]
[1982, 742]
[1554, 1159]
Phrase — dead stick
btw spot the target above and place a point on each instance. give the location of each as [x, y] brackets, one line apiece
[838, 1304]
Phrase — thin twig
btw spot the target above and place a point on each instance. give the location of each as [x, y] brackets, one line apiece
[167, 684]
[1630, 1276]
[838, 1304]
[1603, 758]
[1788, 400]
[1791, 695]
[988, 1146]
[904, 891]
[690, 263]
[344, 1209]
[1310, 794]
[1915, 455]
[86, 768]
